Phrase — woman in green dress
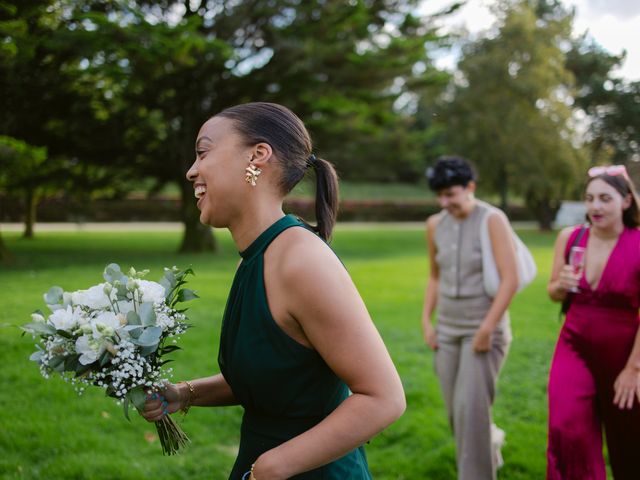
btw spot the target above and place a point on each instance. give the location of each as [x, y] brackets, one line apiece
[298, 349]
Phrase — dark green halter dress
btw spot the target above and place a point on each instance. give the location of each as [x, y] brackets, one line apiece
[284, 387]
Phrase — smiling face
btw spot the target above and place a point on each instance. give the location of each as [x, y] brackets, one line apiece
[218, 172]
[457, 200]
[605, 204]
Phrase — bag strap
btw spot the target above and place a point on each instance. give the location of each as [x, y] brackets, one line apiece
[566, 303]
[576, 241]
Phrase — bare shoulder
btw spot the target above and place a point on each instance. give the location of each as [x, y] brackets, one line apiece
[565, 233]
[433, 220]
[300, 253]
[497, 217]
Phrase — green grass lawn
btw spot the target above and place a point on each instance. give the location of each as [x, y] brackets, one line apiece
[48, 432]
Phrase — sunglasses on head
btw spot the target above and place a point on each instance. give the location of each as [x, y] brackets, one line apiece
[447, 172]
[612, 170]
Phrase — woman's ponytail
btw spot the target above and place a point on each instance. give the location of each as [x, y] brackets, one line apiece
[326, 196]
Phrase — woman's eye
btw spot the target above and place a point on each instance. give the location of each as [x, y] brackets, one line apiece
[200, 153]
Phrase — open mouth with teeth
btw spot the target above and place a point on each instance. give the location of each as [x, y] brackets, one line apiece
[200, 191]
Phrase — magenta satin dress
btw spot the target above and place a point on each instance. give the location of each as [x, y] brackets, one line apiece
[594, 346]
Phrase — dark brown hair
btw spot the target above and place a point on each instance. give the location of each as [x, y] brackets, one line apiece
[278, 126]
[624, 186]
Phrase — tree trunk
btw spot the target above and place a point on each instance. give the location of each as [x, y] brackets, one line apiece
[545, 213]
[197, 237]
[504, 192]
[5, 256]
[31, 205]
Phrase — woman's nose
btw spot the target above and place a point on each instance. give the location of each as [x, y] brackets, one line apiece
[192, 173]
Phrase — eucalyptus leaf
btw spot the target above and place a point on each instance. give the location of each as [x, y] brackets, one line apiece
[168, 280]
[121, 290]
[147, 314]
[40, 328]
[148, 350]
[56, 363]
[166, 284]
[53, 296]
[36, 356]
[150, 336]
[133, 318]
[134, 331]
[112, 273]
[138, 397]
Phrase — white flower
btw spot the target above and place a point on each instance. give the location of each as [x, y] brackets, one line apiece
[105, 324]
[164, 321]
[65, 318]
[151, 291]
[93, 297]
[89, 349]
[37, 318]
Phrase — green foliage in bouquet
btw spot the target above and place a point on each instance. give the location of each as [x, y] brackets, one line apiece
[115, 335]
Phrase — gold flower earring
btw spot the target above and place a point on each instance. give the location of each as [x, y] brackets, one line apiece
[251, 175]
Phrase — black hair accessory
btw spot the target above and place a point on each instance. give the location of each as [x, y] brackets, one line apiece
[311, 160]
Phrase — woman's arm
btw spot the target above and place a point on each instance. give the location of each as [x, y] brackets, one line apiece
[504, 254]
[207, 392]
[431, 290]
[627, 385]
[324, 301]
[562, 277]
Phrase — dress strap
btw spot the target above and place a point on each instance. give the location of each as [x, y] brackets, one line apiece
[260, 244]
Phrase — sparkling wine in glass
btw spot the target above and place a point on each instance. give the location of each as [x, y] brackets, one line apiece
[576, 260]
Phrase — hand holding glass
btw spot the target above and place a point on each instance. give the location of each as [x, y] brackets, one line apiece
[576, 260]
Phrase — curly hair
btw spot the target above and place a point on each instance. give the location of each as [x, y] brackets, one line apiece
[450, 171]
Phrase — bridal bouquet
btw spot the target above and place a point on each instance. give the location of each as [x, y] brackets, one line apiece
[115, 335]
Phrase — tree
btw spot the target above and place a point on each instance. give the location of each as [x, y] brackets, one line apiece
[511, 110]
[117, 90]
[200, 57]
[612, 105]
[17, 158]
[50, 100]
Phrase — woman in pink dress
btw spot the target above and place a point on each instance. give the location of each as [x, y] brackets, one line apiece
[595, 372]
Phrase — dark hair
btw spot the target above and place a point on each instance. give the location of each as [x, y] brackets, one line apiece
[624, 186]
[449, 171]
[285, 132]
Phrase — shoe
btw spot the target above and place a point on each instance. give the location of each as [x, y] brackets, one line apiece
[497, 441]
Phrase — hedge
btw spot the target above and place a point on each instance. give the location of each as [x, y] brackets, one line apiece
[164, 209]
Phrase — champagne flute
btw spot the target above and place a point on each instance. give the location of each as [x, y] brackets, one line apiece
[576, 260]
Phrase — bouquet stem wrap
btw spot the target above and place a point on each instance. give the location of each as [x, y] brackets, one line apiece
[171, 436]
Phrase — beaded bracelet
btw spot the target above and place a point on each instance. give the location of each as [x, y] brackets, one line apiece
[192, 392]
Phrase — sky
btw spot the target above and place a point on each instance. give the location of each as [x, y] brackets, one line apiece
[614, 24]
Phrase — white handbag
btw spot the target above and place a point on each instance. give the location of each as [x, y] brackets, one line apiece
[527, 269]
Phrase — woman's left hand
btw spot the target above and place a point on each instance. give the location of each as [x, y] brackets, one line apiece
[482, 340]
[627, 387]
